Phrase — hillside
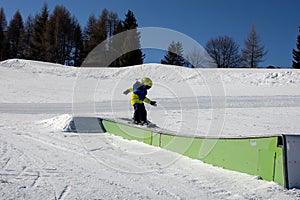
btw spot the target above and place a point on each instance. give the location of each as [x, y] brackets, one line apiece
[239, 101]
[22, 80]
[38, 160]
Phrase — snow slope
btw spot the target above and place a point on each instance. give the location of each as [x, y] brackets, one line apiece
[38, 161]
[239, 101]
[21, 78]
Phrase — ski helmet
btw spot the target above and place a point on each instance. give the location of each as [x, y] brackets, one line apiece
[147, 81]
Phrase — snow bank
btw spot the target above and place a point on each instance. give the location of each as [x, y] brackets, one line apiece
[37, 67]
[57, 123]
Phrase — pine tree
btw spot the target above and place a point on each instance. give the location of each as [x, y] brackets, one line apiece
[253, 52]
[78, 45]
[59, 36]
[88, 35]
[132, 41]
[15, 32]
[3, 43]
[296, 54]
[174, 55]
[114, 45]
[38, 42]
[101, 30]
[28, 34]
[130, 21]
[112, 23]
[95, 31]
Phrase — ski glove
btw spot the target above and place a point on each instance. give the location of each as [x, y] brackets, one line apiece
[126, 91]
[153, 103]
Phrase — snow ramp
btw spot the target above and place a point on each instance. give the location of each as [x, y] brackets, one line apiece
[270, 157]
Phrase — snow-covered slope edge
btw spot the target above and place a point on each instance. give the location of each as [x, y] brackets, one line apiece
[33, 81]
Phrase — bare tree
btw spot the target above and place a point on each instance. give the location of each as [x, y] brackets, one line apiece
[224, 51]
[195, 57]
[253, 53]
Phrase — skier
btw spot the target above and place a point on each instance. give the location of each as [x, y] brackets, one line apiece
[138, 97]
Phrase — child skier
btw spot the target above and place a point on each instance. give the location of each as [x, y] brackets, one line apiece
[138, 97]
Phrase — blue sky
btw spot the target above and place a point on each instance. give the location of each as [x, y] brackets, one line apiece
[276, 21]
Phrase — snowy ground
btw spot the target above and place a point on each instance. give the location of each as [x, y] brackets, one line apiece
[38, 161]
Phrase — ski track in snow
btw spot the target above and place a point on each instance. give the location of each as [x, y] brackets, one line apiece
[120, 169]
[38, 160]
